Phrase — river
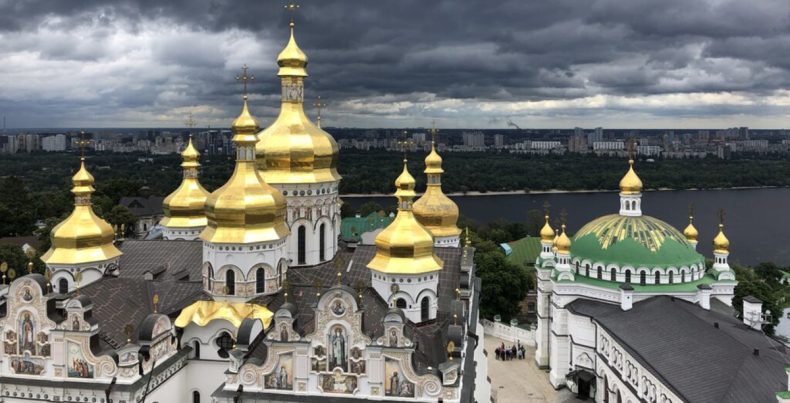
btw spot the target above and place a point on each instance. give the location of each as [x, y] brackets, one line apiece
[756, 220]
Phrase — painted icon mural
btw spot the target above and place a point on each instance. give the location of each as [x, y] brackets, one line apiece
[338, 383]
[396, 383]
[27, 365]
[27, 332]
[282, 377]
[10, 343]
[338, 308]
[43, 344]
[318, 360]
[337, 348]
[78, 366]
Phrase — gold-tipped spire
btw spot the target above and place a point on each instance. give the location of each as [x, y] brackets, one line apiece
[318, 104]
[563, 243]
[720, 243]
[630, 184]
[437, 212]
[185, 207]
[405, 246]
[83, 237]
[246, 209]
[293, 150]
[546, 233]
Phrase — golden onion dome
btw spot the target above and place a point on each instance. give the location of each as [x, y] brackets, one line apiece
[83, 237]
[185, 207]
[246, 209]
[546, 233]
[690, 232]
[563, 243]
[405, 246]
[292, 60]
[630, 184]
[720, 243]
[293, 150]
[437, 212]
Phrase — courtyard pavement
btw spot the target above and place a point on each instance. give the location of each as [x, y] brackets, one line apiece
[520, 381]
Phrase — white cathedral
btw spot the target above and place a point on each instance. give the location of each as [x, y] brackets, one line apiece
[250, 296]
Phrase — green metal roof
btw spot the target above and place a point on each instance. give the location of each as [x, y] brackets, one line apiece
[635, 241]
[352, 228]
[524, 251]
[660, 288]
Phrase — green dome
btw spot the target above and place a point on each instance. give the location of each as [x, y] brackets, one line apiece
[640, 241]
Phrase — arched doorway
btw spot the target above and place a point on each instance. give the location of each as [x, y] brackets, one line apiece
[321, 243]
[230, 282]
[425, 309]
[195, 397]
[63, 286]
[260, 280]
[301, 243]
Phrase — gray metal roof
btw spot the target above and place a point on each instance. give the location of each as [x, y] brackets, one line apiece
[678, 342]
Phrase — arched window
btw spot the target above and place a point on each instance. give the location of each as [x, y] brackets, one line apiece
[300, 242]
[196, 349]
[400, 303]
[658, 278]
[613, 275]
[671, 277]
[321, 243]
[619, 397]
[260, 280]
[605, 389]
[224, 343]
[63, 286]
[683, 277]
[425, 309]
[642, 278]
[600, 273]
[210, 274]
[587, 270]
[195, 397]
[280, 273]
[628, 276]
[230, 282]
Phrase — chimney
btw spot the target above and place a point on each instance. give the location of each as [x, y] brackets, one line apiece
[752, 312]
[626, 296]
[703, 296]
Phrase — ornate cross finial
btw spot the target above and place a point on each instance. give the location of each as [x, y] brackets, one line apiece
[48, 277]
[631, 148]
[691, 210]
[433, 132]
[563, 216]
[82, 143]
[245, 78]
[128, 330]
[291, 8]
[318, 285]
[190, 123]
[546, 206]
[286, 287]
[156, 302]
[319, 105]
[721, 216]
[77, 280]
[450, 349]
[404, 144]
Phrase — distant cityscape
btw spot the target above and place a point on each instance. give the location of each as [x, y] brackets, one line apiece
[675, 144]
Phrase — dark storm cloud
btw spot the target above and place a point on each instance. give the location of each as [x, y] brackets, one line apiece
[380, 63]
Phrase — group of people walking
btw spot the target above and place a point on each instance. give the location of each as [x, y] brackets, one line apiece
[510, 353]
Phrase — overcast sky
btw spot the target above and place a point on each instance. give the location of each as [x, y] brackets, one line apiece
[464, 63]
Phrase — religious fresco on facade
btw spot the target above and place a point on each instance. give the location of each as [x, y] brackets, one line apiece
[283, 332]
[338, 308]
[356, 362]
[337, 348]
[27, 334]
[395, 382]
[392, 339]
[78, 367]
[27, 365]
[338, 383]
[27, 296]
[318, 360]
[75, 323]
[10, 343]
[43, 344]
[282, 377]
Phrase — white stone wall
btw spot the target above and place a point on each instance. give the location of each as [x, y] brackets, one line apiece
[187, 234]
[509, 333]
[411, 288]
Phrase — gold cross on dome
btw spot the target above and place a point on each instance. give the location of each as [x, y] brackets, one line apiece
[721, 216]
[190, 123]
[82, 143]
[319, 104]
[434, 130]
[291, 8]
[245, 78]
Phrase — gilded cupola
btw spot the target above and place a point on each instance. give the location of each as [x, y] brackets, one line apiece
[630, 184]
[246, 209]
[563, 243]
[185, 207]
[293, 150]
[690, 232]
[547, 233]
[83, 237]
[405, 246]
[720, 243]
[437, 212]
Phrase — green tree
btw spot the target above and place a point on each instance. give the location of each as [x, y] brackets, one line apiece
[535, 222]
[369, 207]
[504, 284]
[17, 215]
[120, 215]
